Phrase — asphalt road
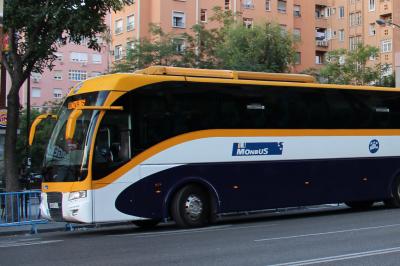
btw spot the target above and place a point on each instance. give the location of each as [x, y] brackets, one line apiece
[328, 237]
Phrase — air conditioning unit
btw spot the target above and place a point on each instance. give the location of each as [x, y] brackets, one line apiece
[61, 63]
[35, 80]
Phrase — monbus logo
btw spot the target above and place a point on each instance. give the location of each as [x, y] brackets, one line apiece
[257, 149]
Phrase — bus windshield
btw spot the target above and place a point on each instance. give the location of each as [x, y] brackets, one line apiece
[66, 161]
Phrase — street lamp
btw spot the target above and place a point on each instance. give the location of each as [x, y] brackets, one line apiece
[382, 22]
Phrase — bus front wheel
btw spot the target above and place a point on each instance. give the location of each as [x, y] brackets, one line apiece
[190, 207]
[394, 201]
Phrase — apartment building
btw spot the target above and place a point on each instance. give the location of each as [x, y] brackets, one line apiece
[74, 63]
[322, 25]
[354, 21]
[178, 16]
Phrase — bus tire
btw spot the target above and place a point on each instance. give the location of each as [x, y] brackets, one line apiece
[147, 224]
[359, 205]
[190, 207]
[394, 201]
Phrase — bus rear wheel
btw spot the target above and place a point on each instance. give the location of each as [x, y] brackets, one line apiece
[359, 205]
[190, 207]
[394, 201]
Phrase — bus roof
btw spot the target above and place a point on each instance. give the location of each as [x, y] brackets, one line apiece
[155, 74]
[226, 74]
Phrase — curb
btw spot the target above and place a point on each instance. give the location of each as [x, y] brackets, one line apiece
[65, 228]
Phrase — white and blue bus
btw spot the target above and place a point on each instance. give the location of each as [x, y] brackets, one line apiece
[190, 144]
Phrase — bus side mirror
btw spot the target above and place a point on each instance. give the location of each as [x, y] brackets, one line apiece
[36, 122]
[71, 124]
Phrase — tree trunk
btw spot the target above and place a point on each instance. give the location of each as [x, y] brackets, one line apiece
[10, 153]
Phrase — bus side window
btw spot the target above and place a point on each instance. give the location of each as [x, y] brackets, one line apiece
[342, 115]
[113, 143]
[317, 109]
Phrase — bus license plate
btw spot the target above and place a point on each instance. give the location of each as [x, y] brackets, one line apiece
[54, 205]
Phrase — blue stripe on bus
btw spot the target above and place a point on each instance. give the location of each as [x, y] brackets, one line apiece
[270, 184]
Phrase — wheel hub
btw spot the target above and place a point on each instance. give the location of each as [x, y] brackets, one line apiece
[193, 207]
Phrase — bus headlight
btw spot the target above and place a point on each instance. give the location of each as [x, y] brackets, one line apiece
[77, 195]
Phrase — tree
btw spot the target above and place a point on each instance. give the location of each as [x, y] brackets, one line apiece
[35, 30]
[160, 49]
[38, 148]
[353, 67]
[230, 45]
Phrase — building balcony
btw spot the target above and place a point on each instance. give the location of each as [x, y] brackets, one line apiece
[386, 8]
[321, 2]
[322, 43]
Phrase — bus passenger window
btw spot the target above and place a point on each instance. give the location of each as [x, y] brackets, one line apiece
[113, 144]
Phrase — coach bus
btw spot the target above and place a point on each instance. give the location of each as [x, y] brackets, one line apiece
[190, 145]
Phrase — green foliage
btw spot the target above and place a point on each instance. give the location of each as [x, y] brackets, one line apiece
[228, 46]
[37, 28]
[353, 67]
[161, 49]
[264, 48]
[39, 145]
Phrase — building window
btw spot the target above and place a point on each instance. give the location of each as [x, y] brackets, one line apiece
[97, 58]
[203, 15]
[57, 93]
[297, 58]
[77, 75]
[386, 46]
[341, 35]
[36, 92]
[248, 22]
[355, 19]
[372, 29]
[59, 56]
[283, 28]
[119, 24]
[248, 4]
[118, 52]
[36, 77]
[297, 11]
[319, 58]
[227, 4]
[57, 74]
[341, 12]
[130, 22]
[371, 5]
[282, 6]
[297, 34]
[95, 74]
[179, 45]
[178, 19]
[354, 42]
[387, 71]
[130, 46]
[267, 5]
[79, 57]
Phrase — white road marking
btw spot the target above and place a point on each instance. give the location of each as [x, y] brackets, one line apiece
[27, 243]
[341, 257]
[188, 231]
[329, 233]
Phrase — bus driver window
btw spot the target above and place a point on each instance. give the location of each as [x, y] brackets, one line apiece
[113, 144]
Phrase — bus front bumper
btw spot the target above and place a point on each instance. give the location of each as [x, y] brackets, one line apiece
[67, 207]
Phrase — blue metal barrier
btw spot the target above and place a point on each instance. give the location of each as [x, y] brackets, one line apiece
[20, 208]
